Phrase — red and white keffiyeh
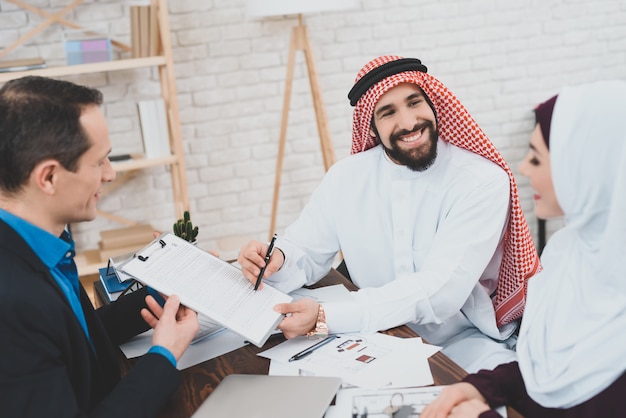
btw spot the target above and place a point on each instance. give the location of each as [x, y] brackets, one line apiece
[520, 260]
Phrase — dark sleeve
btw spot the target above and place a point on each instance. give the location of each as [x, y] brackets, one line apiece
[501, 386]
[143, 392]
[490, 414]
[47, 369]
[122, 318]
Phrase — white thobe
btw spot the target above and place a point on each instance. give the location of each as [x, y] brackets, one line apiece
[423, 247]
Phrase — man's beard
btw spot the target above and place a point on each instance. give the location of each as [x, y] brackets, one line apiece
[417, 159]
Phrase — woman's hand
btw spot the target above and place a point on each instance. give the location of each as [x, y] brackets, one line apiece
[449, 398]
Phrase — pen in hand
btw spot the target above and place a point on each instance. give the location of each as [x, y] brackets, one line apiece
[302, 354]
[270, 249]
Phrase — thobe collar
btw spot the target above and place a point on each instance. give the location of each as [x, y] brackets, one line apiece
[402, 172]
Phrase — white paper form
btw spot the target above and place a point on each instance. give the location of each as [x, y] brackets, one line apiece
[208, 285]
[371, 361]
[337, 292]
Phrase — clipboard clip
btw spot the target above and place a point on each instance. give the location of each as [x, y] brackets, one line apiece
[145, 257]
[110, 269]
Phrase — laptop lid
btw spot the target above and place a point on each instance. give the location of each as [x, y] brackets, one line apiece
[263, 396]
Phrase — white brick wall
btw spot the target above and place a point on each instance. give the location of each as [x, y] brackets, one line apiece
[499, 57]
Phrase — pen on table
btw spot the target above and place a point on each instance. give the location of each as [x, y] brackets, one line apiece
[302, 354]
[267, 259]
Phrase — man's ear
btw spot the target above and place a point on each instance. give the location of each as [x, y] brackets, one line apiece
[373, 130]
[45, 175]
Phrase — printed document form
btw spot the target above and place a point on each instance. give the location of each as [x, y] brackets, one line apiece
[209, 286]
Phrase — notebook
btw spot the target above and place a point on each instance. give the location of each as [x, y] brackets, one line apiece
[263, 396]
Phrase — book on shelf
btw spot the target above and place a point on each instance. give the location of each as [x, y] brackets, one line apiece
[144, 29]
[120, 157]
[208, 285]
[154, 128]
[134, 32]
[155, 36]
[22, 64]
[84, 46]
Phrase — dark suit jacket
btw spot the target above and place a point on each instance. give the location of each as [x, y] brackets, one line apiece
[47, 366]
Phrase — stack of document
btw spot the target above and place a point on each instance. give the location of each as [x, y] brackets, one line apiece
[363, 360]
[382, 375]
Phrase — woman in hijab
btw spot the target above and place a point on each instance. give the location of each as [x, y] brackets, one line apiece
[572, 343]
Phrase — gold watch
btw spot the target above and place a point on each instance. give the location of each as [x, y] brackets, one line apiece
[321, 328]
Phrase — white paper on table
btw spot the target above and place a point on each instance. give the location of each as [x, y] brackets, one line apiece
[332, 293]
[278, 368]
[210, 347]
[423, 349]
[372, 360]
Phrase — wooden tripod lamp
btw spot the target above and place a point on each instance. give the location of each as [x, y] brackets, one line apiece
[299, 42]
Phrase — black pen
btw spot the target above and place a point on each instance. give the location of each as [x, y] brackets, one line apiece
[302, 354]
[267, 259]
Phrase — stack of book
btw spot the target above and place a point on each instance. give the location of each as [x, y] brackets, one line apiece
[121, 241]
[144, 30]
[112, 285]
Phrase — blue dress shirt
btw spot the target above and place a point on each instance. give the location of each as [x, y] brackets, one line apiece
[57, 254]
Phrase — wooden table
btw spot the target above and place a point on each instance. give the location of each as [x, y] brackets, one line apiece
[200, 380]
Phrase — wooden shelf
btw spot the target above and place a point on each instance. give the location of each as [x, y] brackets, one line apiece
[142, 163]
[96, 67]
[88, 262]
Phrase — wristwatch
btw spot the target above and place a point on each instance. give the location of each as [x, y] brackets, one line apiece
[321, 328]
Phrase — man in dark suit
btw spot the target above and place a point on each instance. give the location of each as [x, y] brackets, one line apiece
[58, 357]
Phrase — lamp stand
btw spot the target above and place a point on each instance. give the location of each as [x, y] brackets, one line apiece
[300, 42]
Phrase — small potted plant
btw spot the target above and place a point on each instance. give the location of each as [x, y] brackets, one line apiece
[184, 228]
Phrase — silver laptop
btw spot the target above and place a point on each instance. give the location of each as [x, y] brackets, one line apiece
[263, 396]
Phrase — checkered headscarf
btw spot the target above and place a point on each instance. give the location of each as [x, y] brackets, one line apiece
[456, 126]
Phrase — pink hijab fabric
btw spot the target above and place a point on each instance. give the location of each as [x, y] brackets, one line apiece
[520, 260]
